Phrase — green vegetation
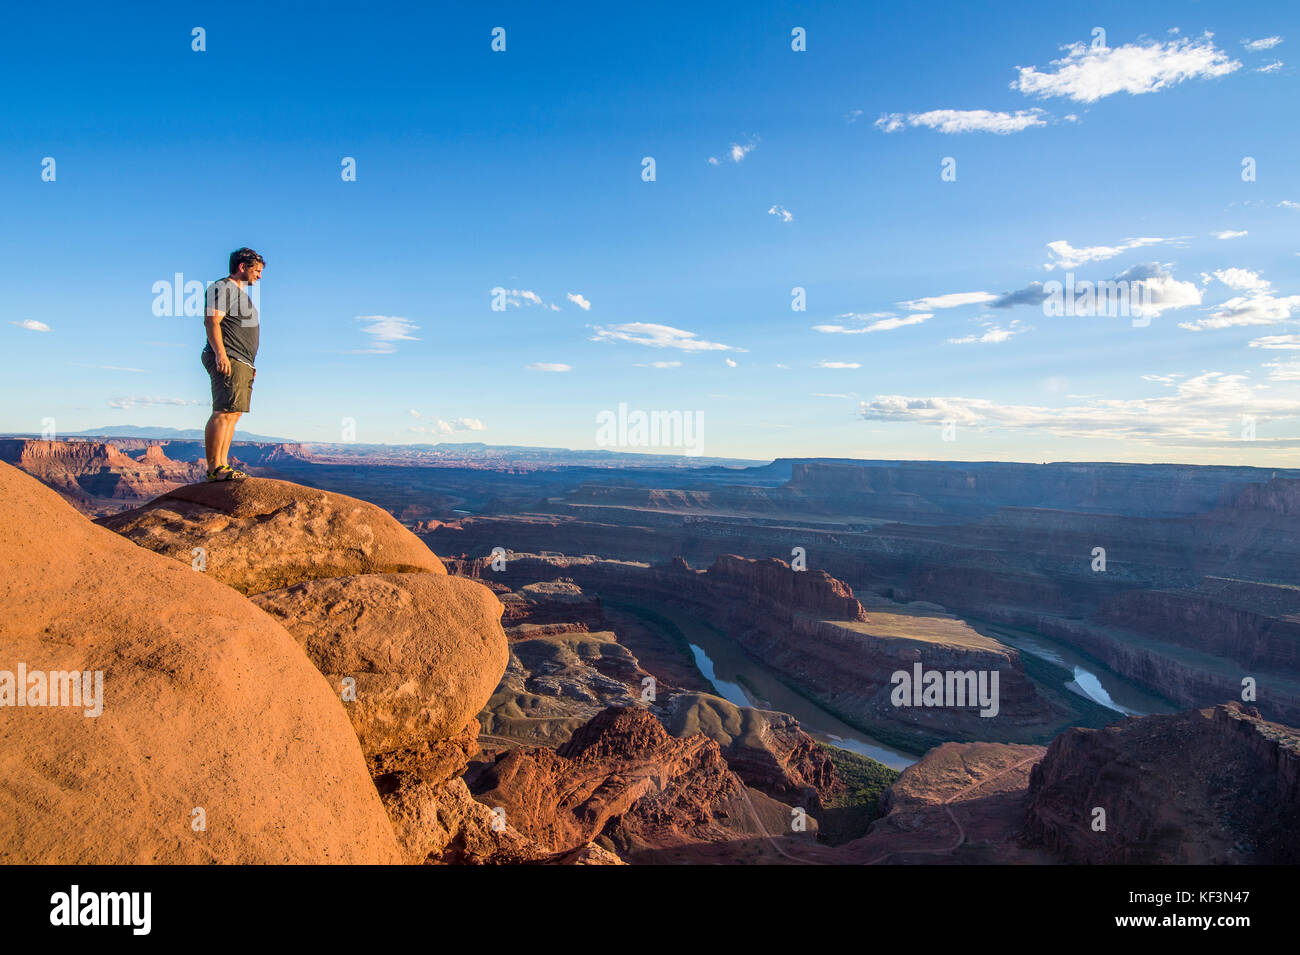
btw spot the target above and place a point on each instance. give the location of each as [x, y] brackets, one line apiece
[848, 814]
[666, 626]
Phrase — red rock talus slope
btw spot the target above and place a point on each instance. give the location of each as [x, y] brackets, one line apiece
[1218, 785]
[260, 534]
[962, 803]
[207, 704]
[766, 749]
[621, 776]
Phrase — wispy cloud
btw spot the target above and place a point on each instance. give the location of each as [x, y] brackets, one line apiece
[886, 321]
[736, 153]
[992, 334]
[955, 121]
[1283, 369]
[951, 300]
[781, 212]
[1271, 67]
[839, 364]
[1256, 308]
[1266, 43]
[577, 299]
[78, 364]
[385, 331]
[146, 401]
[1204, 410]
[1086, 75]
[1277, 342]
[439, 426]
[1242, 279]
[659, 364]
[32, 325]
[549, 366]
[1229, 234]
[519, 298]
[656, 336]
[1066, 256]
[1031, 294]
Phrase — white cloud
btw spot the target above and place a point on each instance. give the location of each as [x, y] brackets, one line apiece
[656, 336]
[32, 325]
[951, 300]
[1242, 279]
[853, 115]
[1153, 289]
[518, 298]
[839, 364]
[954, 121]
[1271, 67]
[1229, 234]
[1085, 75]
[1204, 410]
[1267, 43]
[659, 364]
[992, 335]
[1256, 308]
[549, 366]
[782, 212]
[385, 330]
[1288, 204]
[449, 427]
[887, 322]
[1067, 256]
[145, 401]
[577, 299]
[736, 153]
[1283, 370]
[1276, 342]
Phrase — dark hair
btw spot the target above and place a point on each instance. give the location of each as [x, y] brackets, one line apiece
[243, 256]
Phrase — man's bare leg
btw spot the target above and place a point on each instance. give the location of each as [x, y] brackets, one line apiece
[228, 435]
[212, 440]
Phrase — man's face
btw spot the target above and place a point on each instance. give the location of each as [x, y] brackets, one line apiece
[250, 273]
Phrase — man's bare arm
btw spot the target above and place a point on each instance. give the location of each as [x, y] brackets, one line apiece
[212, 323]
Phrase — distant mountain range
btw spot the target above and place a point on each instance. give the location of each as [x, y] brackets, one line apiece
[176, 434]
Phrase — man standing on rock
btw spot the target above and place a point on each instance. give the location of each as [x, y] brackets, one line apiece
[230, 319]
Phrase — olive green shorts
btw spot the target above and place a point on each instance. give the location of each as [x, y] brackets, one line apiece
[233, 392]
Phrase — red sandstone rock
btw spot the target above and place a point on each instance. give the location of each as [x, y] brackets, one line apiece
[1211, 786]
[622, 776]
[261, 534]
[207, 704]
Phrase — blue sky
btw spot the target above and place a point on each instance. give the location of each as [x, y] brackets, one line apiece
[522, 170]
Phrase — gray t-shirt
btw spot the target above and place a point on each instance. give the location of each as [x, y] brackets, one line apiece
[239, 326]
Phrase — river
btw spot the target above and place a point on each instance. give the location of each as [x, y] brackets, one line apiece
[740, 679]
[1091, 679]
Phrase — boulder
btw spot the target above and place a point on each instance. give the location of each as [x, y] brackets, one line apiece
[218, 740]
[259, 534]
[426, 651]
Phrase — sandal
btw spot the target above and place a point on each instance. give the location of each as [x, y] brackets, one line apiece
[225, 473]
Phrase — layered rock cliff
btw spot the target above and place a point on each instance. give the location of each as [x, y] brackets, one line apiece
[1213, 786]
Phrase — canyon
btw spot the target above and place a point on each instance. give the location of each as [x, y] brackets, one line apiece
[521, 648]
